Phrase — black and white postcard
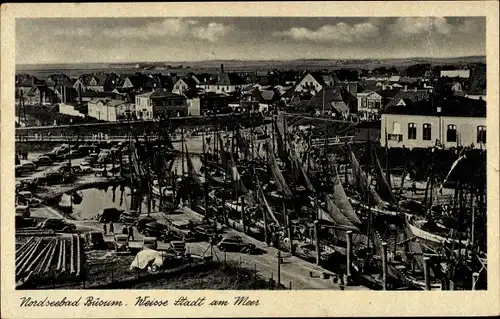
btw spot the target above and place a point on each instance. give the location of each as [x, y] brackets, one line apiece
[232, 159]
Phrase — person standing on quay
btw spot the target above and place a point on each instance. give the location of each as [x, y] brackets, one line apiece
[130, 232]
[111, 227]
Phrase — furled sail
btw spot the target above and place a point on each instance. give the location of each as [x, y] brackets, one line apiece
[384, 189]
[339, 196]
[280, 181]
[457, 168]
[361, 182]
[242, 143]
[191, 170]
[280, 143]
[232, 170]
[392, 271]
[299, 173]
[265, 205]
[337, 215]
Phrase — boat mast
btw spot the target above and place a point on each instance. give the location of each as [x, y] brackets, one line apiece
[182, 151]
[368, 191]
[387, 169]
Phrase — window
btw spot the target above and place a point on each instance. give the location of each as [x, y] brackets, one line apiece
[377, 105]
[481, 134]
[427, 132]
[363, 103]
[396, 128]
[396, 133]
[451, 133]
[412, 131]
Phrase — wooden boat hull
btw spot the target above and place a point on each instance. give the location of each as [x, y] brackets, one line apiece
[375, 210]
[420, 233]
[165, 192]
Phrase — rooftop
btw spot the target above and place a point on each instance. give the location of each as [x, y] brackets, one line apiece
[161, 94]
[456, 106]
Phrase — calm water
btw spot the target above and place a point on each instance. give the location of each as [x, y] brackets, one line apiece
[93, 200]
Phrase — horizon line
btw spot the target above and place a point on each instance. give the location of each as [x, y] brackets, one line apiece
[269, 60]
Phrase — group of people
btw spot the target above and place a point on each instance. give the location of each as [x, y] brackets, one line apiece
[23, 155]
[127, 230]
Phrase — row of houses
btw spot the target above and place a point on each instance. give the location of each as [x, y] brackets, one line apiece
[111, 97]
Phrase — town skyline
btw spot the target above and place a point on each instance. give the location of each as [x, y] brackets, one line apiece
[193, 39]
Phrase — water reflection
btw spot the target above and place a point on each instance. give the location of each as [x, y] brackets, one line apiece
[95, 199]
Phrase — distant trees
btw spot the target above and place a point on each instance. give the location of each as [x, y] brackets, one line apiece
[385, 71]
[347, 75]
[417, 70]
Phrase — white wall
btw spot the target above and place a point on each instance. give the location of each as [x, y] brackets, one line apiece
[193, 106]
[69, 110]
[307, 81]
[143, 107]
[456, 73]
[102, 112]
[466, 130]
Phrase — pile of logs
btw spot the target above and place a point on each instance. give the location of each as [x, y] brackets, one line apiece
[49, 257]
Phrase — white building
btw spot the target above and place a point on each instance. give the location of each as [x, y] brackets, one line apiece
[446, 123]
[193, 106]
[465, 74]
[313, 82]
[69, 109]
[110, 110]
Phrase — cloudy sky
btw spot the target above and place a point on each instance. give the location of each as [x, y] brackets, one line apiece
[70, 40]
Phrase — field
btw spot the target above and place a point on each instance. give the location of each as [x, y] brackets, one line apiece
[74, 70]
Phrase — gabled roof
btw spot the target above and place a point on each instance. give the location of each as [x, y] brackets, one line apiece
[388, 94]
[408, 95]
[161, 94]
[58, 77]
[329, 95]
[138, 80]
[190, 82]
[41, 89]
[29, 81]
[230, 79]
[455, 106]
[320, 77]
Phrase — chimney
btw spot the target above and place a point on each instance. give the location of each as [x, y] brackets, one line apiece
[222, 68]
[383, 87]
[406, 88]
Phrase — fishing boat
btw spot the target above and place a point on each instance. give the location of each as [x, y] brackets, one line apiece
[436, 235]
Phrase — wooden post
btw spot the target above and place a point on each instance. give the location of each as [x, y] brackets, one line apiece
[243, 221]
[473, 230]
[384, 266]
[173, 188]
[316, 241]
[205, 191]
[264, 214]
[349, 253]
[289, 230]
[475, 277]
[426, 273]
[279, 267]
